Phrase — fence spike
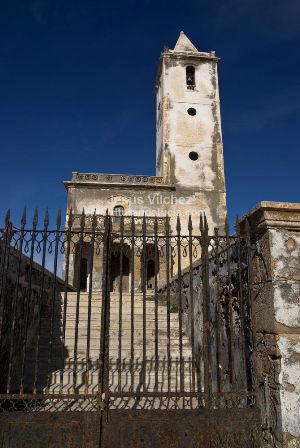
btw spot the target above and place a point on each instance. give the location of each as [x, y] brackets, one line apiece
[144, 224]
[94, 222]
[7, 218]
[70, 219]
[167, 224]
[226, 226]
[23, 219]
[82, 219]
[248, 230]
[205, 223]
[178, 225]
[201, 223]
[190, 224]
[237, 225]
[58, 219]
[46, 219]
[122, 224]
[35, 218]
[132, 226]
[155, 225]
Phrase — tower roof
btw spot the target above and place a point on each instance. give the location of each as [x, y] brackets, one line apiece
[184, 44]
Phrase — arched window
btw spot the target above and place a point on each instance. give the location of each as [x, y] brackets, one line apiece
[118, 210]
[190, 77]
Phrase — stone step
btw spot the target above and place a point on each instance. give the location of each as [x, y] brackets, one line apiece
[82, 371]
[113, 311]
[82, 388]
[113, 299]
[115, 381]
[114, 324]
[116, 376]
[126, 353]
[113, 333]
[113, 303]
[113, 295]
[121, 375]
[162, 316]
[125, 340]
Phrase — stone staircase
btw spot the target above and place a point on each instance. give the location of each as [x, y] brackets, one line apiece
[161, 375]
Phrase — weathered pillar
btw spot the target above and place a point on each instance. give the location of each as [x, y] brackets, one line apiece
[275, 236]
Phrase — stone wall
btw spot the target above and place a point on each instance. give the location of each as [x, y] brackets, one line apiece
[275, 235]
[274, 268]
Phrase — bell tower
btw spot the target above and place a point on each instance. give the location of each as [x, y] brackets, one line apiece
[189, 149]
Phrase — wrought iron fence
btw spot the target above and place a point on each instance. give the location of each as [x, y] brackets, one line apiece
[142, 317]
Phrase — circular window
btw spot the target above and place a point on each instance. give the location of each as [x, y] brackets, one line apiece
[193, 155]
[191, 111]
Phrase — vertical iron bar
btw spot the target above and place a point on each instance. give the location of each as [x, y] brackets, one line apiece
[218, 314]
[180, 311]
[167, 231]
[27, 301]
[82, 225]
[40, 301]
[66, 287]
[206, 311]
[120, 304]
[90, 286]
[15, 300]
[53, 301]
[156, 261]
[132, 303]
[231, 345]
[191, 275]
[144, 288]
[242, 306]
[5, 267]
[103, 380]
[253, 386]
[107, 324]
[105, 304]
[7, 233]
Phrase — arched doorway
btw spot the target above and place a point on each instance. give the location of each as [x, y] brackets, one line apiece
[150, 274]
[82, 266]
[83, 275]
[115, 268]
[151, 268]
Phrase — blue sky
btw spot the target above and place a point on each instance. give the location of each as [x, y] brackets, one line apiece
[76, 89]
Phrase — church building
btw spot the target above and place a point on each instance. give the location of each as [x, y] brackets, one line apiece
[189, 153]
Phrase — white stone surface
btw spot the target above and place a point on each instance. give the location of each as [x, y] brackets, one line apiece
[285, 263]
[290, 382]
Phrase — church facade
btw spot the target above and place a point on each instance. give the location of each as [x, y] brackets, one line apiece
[189, 176]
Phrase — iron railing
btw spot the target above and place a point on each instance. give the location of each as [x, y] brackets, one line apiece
[109, 313]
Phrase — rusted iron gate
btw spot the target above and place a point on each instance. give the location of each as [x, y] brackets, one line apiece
[147, 325]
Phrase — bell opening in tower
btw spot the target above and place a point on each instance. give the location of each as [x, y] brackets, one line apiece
[190, 77]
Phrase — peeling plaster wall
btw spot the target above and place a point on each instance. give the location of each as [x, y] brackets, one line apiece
[159, 131]
[183, 133]
[178, 134]
[285, 265]
[151, 202]
[275, 236]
